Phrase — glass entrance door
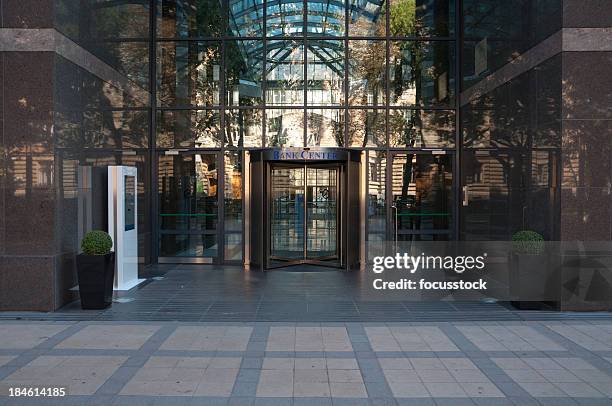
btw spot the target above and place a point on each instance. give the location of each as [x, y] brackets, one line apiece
[304, 214]
[422, 196]
[188, 207]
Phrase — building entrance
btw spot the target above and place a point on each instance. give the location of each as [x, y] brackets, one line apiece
[305, 213]
[304, 205]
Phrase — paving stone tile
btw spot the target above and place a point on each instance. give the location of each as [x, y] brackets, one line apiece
[312, 402]
[579, 390]
[81, 376]
[273, 402]
[395, 363]
[341, 363]
[409, 390]
[541, 389]
[448, 390]
[311, 389]
[209, 338]
[347, 390]
[278, 363]
[481, 389]
[415, 402]
[25, 336]
[434, 375]
[109, 337]
[417, 338]
[310, 363]
[345, 375]
[401, 375]
[590, 337]
[310, 375]
[508, 338]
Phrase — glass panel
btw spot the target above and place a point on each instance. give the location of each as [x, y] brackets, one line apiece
[367, 72]
[190, 18]
[285, 128]
[188, 128]
[377, 208]
[284, 17]
[188, 205]
[287, 213]
[321, 212]
[367, 128]
[325, 128]
[101, 129]
[422, 193]
[246, 18]
[325, 73]
[285, 73]
[422, 18]
[326, 17]
[190, 73]
[421, 129]
[244, 62]
[243, 128]
[129, 58]
[421, 73]
[367, 18]
[233, 206]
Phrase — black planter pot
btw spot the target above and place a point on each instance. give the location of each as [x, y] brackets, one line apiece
[96, 274]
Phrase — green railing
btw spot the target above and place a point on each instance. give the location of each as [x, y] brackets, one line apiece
[423, 214]
[187, 215]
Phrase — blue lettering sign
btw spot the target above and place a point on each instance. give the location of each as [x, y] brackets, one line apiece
[304, 155]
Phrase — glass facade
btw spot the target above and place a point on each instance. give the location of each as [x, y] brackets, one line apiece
[385, 77]
[373, 75]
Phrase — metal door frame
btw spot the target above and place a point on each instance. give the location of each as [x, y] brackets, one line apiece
[393, 232]
[321, 261]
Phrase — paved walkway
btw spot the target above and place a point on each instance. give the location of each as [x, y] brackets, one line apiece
[445, 363]
[191, 293]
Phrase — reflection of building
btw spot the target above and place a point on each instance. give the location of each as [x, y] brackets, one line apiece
[444, 104]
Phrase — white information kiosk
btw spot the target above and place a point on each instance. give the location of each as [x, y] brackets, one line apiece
[123, 224]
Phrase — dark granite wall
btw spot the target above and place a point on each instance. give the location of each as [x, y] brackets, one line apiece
[28, 252]
[587, 147]
[587, 130]
[55, 117]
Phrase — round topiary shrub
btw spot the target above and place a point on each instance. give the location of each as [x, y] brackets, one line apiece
[96, 242]
[527, 242]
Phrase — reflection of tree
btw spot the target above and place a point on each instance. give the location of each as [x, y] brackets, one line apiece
[523, 127]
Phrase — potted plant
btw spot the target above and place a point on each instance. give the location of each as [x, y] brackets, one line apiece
[530, 270]
[96, 270]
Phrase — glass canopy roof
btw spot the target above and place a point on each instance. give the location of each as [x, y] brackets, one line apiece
[286, 17]
[294, 18]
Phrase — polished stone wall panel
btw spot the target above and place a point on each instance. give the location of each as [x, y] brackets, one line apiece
[28, 100]
[65, 278]
[27, 283]
[587, 13]
[30, 222]
[586, 214]
[27, 13]
[2, 223]
[587, 85]
[587, 147]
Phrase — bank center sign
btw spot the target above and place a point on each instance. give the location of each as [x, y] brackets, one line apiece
[323, 154]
